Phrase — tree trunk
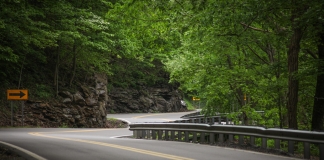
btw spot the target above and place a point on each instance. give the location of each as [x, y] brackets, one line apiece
[318, 108]
[74, 64]
[293, 51]
[21, 69]
[57, 71]
[293, 83]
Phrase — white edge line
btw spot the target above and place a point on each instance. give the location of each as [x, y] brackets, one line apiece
[124, 120]
[121, 136]
[22, 152]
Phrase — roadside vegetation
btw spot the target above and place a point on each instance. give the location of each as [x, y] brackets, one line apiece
[236, 56]
[116, 123]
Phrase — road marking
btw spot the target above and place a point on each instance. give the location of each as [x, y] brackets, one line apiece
[22, 152]
[147, 116]
[152, 153]
[124, 120]
[93, 130]
[121, 136]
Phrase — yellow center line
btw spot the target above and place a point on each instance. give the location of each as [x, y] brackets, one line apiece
[147, 116]
[93, 130]
[152, 153]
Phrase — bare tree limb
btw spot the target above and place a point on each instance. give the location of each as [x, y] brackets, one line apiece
[258, 55]
[308, 51]
[253, 28]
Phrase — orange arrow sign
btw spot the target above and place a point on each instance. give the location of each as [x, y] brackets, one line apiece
[17, 94]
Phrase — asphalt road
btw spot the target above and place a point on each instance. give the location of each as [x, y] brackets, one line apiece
[102, 144]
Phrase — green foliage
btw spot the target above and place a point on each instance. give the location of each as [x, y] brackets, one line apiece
[43, 91]
[112, 119]
[115, 123]
[64, 125]
[190, 107]
[232, 54]
[112, 111]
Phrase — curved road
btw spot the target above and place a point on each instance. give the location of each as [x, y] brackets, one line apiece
[86, 144]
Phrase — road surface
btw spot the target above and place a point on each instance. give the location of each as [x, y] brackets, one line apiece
[101, 144]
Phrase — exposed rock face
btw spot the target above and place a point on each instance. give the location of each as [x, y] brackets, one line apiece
[144, 100]
[89, 105]
[85, 108]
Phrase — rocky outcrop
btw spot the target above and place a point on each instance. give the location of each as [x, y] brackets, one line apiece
[89, 104]
[84, 108]
[145, 100]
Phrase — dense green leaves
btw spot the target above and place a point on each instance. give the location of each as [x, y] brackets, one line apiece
[232, 54]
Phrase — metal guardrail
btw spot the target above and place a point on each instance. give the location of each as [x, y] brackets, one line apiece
[206, 120]
[220, 133]
[219, 118]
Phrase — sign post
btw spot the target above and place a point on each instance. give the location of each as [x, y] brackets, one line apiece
[11, 114]
[18, 95]
[196, 99]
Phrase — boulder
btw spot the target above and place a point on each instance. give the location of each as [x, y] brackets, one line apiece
[78, 99]
[67, 100]
[66, 94]
[91, 101]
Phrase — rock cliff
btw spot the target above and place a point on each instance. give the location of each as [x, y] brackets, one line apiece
[84, 108]
[145, 100]
[89, 105]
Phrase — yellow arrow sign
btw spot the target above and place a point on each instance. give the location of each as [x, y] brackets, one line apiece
[17, 94]
[195, 98]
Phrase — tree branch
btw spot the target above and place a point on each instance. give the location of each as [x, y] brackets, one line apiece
[308, 51]
[253, 28]
[258, 55]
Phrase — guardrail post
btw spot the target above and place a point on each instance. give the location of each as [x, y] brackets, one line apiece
[226, 120]
[264, 143]
[135, 133]
[252, 140]
[199, 121]
[143, 134]
[186, 136]
[291, 147]
[221, 138]
[277, 143]
[148, 134]
[172, 135]
[211, 138]
[213, 120]
[202, 137]
[194, 137]
[166, 133]
[321, 150]
[230, 137]
[154, 134]
[306, 150]
[206, 120]
[138, 134]
[192, 120]
[179, 136]
[160, 134]
[241, 139]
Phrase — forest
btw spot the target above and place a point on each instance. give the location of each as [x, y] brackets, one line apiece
[237, 56]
